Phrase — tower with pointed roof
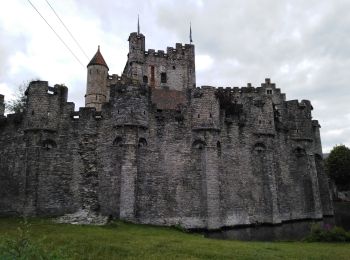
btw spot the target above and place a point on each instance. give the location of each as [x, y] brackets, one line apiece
[96, 86]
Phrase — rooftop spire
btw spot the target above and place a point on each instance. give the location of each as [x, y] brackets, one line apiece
[138, 25]
[98, 59]
[190, 33]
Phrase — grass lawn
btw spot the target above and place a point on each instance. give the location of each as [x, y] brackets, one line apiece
[128, 241]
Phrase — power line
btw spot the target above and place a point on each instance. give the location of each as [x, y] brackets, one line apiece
[56, 33]
[67, 30]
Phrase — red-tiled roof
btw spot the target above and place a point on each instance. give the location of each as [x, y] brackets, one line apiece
[98, 59]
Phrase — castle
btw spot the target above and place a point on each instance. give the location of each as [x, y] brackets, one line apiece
[151, 147]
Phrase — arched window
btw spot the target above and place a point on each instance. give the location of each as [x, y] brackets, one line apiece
[142, 142]
[218, 146]
[299, 151]
[198, 144]
[259, 148]
[118, 141]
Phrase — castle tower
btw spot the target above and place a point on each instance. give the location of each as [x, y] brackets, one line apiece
[136, 56]
[96, 87]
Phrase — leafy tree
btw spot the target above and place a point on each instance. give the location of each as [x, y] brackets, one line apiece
[338, 166]
[17, 105]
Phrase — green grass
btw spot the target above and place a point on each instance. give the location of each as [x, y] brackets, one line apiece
[128, 241]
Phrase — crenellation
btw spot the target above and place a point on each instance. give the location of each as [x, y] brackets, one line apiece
[151, 147]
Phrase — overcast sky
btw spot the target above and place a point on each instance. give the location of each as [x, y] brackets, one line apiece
[303, 46]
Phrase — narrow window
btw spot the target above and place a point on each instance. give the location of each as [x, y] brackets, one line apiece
[163, 77]
[210, 115]
[269, 91]
[145, 79]
[174, 67]
[152, 76]
[199, 115]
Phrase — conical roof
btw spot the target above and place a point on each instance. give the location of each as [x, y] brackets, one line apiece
[98, 59]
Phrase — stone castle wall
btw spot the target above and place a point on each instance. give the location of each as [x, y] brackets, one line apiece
[215, 157]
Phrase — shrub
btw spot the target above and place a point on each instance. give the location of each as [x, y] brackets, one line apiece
[327, 233]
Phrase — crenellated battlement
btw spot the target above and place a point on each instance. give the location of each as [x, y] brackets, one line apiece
[296, 104]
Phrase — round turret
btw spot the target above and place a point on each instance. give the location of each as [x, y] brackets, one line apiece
[96, 87]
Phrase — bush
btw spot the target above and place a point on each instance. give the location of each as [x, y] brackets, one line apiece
[327, 233]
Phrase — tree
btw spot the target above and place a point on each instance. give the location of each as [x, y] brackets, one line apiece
[17, 104]
[338, 166]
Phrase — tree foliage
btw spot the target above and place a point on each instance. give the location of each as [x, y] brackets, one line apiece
[17, 104]
[338, 166]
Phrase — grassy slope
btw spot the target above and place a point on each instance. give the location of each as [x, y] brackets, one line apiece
[121, 241]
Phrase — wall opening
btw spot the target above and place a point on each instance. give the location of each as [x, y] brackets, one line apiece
[152, 76]
[218, 146]
[198, 144]
[145, 79]
[142, 142]
[259, 147]
[118, 141]
[49, 144]
[163, 77]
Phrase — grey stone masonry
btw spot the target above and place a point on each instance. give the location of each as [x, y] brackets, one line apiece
[153, 148]
[2, 105]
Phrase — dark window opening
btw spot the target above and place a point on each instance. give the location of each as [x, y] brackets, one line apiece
[174, 67]
[163, 77]
[142, 142]
[144, 112]
[269, 91]
[145, 79]
[218, 146]
[49, 144]
[198, 144]
[152, 76]
[33, 113]
[259, 147]
[199, 115]
[118, 141]
[210, 115]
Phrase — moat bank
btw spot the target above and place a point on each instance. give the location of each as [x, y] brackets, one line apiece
[293, 230]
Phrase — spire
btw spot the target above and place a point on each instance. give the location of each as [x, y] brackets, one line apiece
[190, 33]
[98, 59]
[138, 25]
